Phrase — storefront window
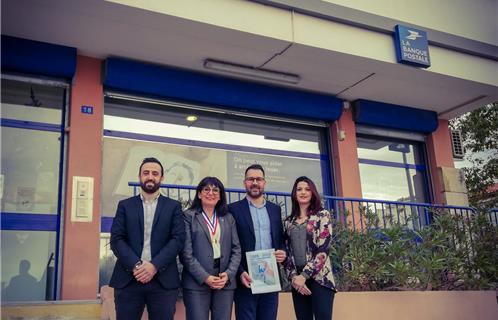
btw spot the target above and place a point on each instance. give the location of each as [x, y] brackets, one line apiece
[31, 123]
[215, 144]
[391, 169]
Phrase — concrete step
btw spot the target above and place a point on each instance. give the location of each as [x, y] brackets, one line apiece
[53, 310]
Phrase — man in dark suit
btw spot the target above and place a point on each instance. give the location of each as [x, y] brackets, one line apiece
[259, 226]
[147, 234]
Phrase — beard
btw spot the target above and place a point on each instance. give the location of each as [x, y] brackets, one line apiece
[150, 186]
[255, 191]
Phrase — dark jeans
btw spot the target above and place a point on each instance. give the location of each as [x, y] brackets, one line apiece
[131, 300]
[250, 306]
[319, 304]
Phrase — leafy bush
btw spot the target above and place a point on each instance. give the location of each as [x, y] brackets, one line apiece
[454, 252]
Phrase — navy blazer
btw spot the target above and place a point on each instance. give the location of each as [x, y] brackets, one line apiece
[245, 228]
[197, 256]
[167, 239]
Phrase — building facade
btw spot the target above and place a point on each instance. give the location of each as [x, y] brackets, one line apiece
[317, 88]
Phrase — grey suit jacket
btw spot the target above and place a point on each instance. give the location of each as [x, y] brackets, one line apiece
[197, 257]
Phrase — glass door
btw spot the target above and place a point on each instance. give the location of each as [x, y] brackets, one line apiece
[32, 138]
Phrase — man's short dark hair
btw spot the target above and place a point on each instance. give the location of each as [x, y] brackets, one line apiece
[255, 167]
[151, 159]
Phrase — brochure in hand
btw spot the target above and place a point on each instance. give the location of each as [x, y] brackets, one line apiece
[263, 270]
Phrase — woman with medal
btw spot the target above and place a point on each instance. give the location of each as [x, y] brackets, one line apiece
[211, 255]
[308, 233]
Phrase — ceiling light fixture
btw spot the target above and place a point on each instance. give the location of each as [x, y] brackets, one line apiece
[251, 72]
[191, 118]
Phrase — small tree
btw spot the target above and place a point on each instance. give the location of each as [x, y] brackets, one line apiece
[479, 130]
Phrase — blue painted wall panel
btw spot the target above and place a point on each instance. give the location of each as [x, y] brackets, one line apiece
[392, 116]
[39, 58]
[138, 77]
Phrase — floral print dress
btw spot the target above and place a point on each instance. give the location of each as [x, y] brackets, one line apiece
[318, 240]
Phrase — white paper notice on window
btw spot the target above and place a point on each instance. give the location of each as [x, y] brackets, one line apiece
[263, 270]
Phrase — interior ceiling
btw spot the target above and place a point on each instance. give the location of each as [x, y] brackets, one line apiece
[101, 29]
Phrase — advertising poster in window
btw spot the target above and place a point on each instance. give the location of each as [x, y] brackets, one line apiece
[281, 171]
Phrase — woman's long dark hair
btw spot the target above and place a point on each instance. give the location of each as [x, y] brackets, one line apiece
[315, 202]
[221, 207]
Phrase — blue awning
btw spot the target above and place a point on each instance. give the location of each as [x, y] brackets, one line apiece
[183, 85]
[392, 116]
[38, 58]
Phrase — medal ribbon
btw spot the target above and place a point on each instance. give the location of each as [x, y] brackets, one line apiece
[212, 225]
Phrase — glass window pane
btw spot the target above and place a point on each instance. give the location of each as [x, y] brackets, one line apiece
[166, 121]
[391, 169]
[386, 150]
[31, 102]
[392, 184]
[224, 136]
[107, 259]
[30, 170]
[26, 265]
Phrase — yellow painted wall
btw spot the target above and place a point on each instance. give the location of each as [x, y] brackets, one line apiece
[473, 22]
[239, 15]
[473, 19]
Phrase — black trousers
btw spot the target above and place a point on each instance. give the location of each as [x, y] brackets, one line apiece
[248, 306]
[319, 304]
[131, 300]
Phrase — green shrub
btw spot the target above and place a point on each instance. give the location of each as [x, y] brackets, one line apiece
[454, 252]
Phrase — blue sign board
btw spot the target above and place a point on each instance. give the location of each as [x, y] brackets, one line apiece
[87, 109]
[412, 46]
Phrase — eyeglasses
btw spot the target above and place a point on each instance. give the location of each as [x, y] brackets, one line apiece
[215, 190]
[257, 179]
